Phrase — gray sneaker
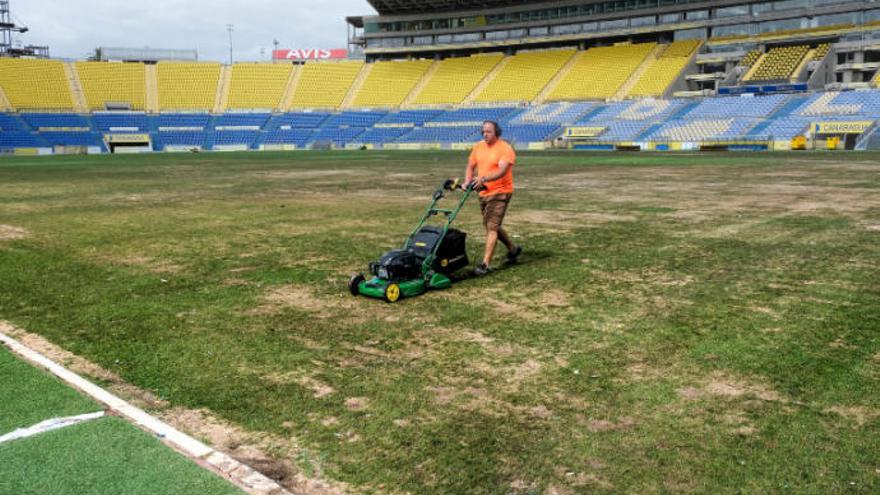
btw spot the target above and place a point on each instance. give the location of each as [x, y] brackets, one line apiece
[482, 269]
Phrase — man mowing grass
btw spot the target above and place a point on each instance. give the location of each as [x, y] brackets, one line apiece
[493, 159]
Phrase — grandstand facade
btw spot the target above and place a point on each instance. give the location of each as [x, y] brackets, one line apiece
[631, 74]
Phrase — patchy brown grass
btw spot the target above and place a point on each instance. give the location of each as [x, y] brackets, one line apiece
[12, 233]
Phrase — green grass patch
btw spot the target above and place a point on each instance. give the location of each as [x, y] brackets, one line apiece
[103, 456]
[29, 396]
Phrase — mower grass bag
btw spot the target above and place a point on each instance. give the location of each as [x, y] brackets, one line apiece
[451, 255]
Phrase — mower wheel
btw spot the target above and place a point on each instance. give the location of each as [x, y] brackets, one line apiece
[392, 293]
[354, 282]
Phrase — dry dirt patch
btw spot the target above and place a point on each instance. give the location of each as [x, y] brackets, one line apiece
[357, 403]
[859, 415]
[567, 220]
[721, 385]
[12, 233]
[251, 448]
[288, 296]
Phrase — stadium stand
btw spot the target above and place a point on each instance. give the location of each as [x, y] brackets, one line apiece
[188, 86]
[456, 78]
[251, 120]
[382, 135]
[600, 72]
[389, 83]
[35, 84]
[325, 84]
[299, 120]
[115, 83]
[666, 69]
[412, 117]
[525, 75]
[55, 121]
[354, 119]
[558, 113]
[183, 121]
[778, 64]
[751, 57]
[612, 77]
[258, 86]
[821, 51]
[474, 116]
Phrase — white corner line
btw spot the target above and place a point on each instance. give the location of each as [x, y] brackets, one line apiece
[49, 425]
[244, 477]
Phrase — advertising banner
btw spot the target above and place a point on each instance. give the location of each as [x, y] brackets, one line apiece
[583, 131]
[310, 54]
[852, 127]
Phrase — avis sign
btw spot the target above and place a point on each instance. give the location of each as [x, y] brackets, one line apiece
[310, 54]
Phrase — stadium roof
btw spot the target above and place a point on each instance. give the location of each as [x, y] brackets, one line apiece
[398, 7]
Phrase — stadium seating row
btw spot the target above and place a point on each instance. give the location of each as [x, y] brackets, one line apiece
[597, 73]
[773, 117]
[600, 72]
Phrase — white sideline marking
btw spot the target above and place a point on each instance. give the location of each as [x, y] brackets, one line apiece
[49, 425]
[243, 476]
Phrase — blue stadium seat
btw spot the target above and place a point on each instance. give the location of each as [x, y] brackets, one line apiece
[193, 120]
[354, 119]
[10, 140]
[241, 120]
[37, 120]
[306, 120]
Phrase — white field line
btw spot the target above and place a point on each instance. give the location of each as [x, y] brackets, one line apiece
[49, 425]
[241, 475]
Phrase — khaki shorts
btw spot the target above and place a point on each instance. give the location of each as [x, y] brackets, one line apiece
[493, 208]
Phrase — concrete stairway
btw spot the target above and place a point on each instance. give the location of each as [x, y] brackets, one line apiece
[152, 88]
[221, 99]
[76, 91]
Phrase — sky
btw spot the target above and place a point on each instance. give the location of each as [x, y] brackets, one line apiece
[74, 28]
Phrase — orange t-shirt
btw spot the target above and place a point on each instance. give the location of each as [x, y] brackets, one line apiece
[486, 159]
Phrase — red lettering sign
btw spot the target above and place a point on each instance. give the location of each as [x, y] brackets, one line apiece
[310, 54]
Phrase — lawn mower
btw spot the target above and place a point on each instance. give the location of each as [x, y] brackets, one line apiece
[427, 259]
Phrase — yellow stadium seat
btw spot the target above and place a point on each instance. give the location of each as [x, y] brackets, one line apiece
[779, 63]
[105, 82]
[665, 70]
[188, 86]
[35, 84]
[456, 78]
[389, 83]
[600, 72]
[750, 58]
[525, 75]
[325, 84]
[821, 51]
[258, 86]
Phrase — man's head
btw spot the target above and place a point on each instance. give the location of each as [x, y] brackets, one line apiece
[491, 131]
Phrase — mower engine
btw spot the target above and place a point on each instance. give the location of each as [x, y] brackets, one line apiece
[397, 265]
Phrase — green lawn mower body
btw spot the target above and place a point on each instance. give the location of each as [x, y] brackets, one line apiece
[426, 260]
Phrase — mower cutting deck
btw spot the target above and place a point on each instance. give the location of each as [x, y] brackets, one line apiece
[429, 256]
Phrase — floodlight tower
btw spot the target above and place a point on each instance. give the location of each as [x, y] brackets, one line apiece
[230, 27]
[7, 29]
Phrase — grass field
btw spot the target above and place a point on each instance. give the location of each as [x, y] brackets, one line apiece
[702, 323]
